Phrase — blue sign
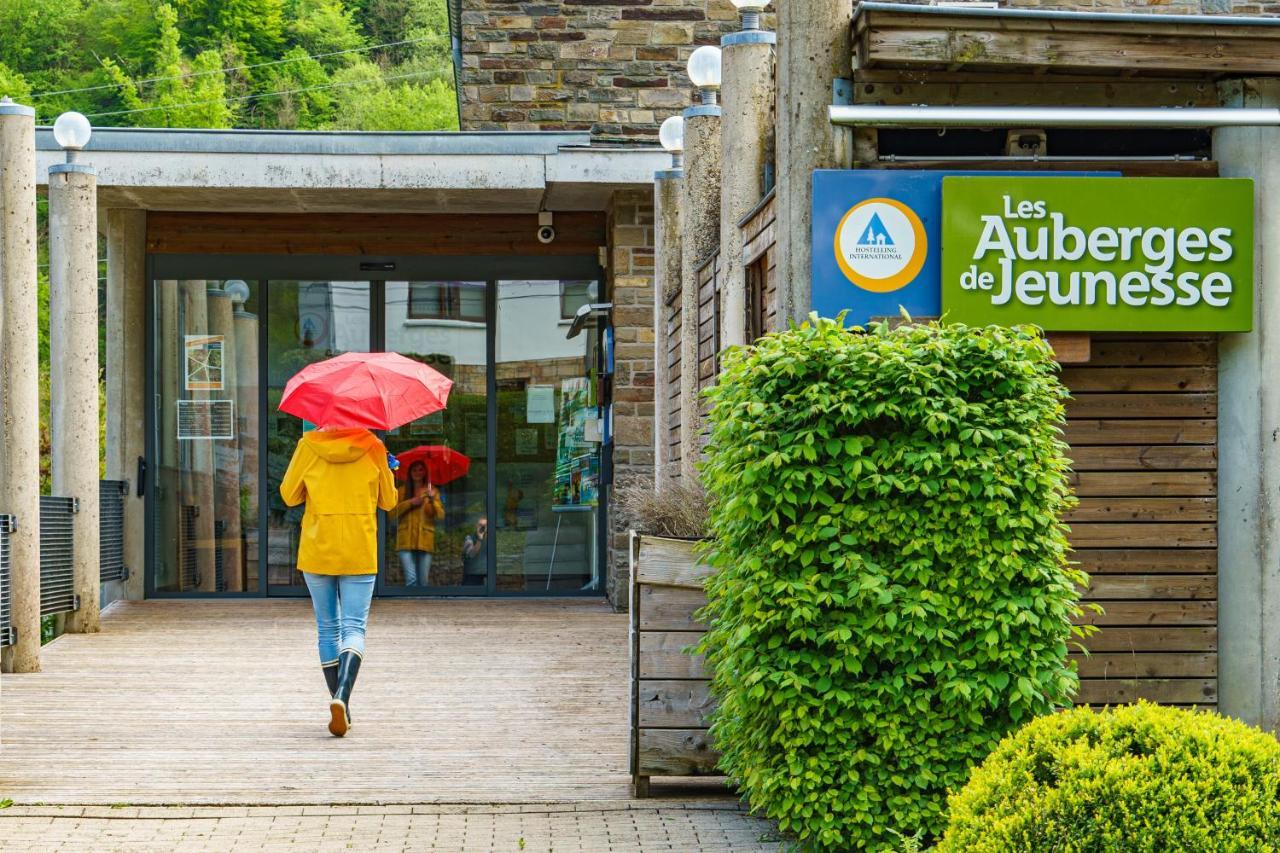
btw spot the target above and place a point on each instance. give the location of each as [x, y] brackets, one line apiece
[877, 241]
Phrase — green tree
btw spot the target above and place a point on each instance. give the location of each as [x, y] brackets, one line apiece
[14, 85]
[325, 26]
[365, 100]
[188, 94]
[304, 100]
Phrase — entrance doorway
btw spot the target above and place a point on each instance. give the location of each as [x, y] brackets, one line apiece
[517, 511]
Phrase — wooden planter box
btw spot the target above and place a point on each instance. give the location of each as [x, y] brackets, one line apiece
[670, 698]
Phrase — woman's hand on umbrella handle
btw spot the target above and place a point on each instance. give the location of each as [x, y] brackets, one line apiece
[431, 490]
[392, 462]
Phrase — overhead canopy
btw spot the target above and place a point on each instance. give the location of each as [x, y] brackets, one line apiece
[308, 171]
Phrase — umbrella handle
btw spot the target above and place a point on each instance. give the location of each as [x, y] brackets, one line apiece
[392, 462]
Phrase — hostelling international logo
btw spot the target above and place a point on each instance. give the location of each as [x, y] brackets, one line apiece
[881, 245]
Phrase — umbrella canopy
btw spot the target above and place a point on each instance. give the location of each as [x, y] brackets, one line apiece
[444, 464]
[375, 390]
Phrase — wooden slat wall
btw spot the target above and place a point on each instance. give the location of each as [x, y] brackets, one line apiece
[759, 256]
[1143, 433]
[673, 383]
[708, 324]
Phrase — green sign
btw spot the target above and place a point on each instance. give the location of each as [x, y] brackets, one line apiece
[1099, 254]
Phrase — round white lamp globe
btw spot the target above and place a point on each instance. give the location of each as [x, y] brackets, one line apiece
[237, 290]
[671, 134]
[704, 67]
[72, 131]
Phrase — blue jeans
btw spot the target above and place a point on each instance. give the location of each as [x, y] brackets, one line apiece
[416, 565]
[341, 603]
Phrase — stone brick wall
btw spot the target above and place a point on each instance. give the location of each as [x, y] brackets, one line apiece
[613, 67]
[630, 276]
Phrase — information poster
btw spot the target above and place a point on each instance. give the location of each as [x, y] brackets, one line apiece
[577, 462]
[204, 355]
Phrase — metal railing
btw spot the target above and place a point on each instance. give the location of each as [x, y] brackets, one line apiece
[111, 495]
[6, 630]
[57, 564]
[57, 567]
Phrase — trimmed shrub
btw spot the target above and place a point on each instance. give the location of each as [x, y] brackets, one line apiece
[892, 594]
[1136, 778]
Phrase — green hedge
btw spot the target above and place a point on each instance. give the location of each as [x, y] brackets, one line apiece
[892, 593]
[1135, 778]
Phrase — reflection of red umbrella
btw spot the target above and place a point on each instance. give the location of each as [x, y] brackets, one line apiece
[377, 390]
[444, 464]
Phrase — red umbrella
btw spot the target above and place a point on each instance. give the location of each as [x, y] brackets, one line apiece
[444, 464]
[376, 390]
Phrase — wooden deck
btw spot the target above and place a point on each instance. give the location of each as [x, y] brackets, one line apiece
[197, 702]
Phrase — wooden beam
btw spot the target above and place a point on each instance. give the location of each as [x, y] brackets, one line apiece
[1069, 347]
[1090, 45]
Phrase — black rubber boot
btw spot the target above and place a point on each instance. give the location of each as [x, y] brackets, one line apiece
[330, 670]
[348, 669]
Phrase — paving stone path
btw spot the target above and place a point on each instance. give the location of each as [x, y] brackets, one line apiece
[585, 827]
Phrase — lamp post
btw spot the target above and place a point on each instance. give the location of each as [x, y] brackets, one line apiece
[700, 208]
[667, 240]
[19, 389]
[747, 124]
[73, 356]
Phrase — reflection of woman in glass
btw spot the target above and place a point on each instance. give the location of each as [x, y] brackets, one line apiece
[417, 511]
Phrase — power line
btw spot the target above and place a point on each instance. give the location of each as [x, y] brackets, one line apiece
[242, 98]
[233, 68]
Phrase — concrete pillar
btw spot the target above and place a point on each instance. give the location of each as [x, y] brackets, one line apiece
[19, 389]
[127, 377]
[814, 49]
[666, 284]
[746, 99]
[700, 206]
[226, 451]
[246, 358]
[73, 371]
[1248, 454]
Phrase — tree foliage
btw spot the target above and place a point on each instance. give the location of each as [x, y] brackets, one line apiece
[1136, 778]
[232, 63]
[892, 593]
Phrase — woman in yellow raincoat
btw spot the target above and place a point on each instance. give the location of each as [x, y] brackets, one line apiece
[343, 477]
[416, 513]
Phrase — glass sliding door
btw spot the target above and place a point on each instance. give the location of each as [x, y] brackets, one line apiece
[548, 434]
[436, 539]
[205, 492]
[307, 321]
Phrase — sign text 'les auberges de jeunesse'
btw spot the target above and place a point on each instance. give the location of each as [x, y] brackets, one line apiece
[1099, 254]
[1062, 251]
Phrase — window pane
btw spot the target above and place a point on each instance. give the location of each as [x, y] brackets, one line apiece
[548, 444]
[307, 321]
[206, 482]
[436, 535]
[575, 295]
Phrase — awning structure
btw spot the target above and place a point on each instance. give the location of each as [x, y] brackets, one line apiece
[289, 171]
[946, 38]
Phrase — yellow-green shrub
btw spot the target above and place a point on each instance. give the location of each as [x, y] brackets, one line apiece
[892, 594]
[1134, 778]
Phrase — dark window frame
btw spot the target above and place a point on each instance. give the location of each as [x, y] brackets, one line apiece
[566, 314]
[450, 294]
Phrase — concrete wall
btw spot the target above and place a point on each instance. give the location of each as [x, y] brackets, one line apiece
[613, 67]
[630, 277]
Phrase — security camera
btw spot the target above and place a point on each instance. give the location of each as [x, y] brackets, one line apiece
[546, 233]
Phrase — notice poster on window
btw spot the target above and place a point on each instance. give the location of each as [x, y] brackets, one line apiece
[206, 419]
[540, 404]
[203, 362]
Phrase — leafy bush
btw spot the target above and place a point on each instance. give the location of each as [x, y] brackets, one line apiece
[1135, 778]
[892, 593]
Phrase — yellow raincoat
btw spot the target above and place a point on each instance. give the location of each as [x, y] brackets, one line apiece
[344, 479]
[417, 528]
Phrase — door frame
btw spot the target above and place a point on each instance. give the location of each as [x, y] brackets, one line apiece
[263, 269]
